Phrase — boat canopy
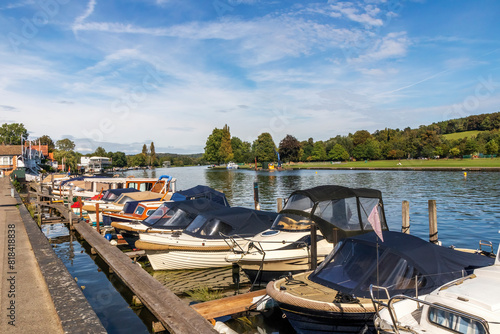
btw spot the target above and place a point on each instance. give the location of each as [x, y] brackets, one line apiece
[112, 194]
[230, 221]
[199, 192]
[400, 263]
[338, 211]
[178, 215]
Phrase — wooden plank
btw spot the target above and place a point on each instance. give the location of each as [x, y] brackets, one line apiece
[174, 314]
[229, 305]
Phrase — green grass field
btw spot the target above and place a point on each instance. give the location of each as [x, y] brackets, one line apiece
[460, 135]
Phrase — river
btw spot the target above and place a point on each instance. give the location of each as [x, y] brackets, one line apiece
[468, 210]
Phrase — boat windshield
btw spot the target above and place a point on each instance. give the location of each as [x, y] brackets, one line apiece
[208, 227]
[291, 222]
[179, 219]
[299, 203]
[162, 213]
[123, 199]
[354, 267]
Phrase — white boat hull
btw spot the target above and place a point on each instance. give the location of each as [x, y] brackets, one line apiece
[174, 260]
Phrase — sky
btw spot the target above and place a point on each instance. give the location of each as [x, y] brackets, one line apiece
[121, 74]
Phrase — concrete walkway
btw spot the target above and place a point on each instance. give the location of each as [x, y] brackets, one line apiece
[33, 298]
[26, 302]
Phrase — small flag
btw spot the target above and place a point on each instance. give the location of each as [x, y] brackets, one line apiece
[374, 220]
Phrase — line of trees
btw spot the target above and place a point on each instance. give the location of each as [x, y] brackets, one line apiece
[426, 142]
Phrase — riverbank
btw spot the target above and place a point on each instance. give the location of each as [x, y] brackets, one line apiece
[478, 164]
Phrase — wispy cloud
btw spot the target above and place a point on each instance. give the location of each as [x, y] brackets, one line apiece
[88, 11]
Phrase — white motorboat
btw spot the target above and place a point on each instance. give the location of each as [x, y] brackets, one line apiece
[468, 305]
[203, 243]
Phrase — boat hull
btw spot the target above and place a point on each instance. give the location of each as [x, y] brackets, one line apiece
[308, 321]
[173, 260]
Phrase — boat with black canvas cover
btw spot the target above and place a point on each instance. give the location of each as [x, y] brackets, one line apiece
[335, 298]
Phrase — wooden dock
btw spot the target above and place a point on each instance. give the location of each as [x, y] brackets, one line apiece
[229, 305]
[175, 315]
[172, 313]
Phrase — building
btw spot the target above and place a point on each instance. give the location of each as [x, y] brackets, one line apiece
[95, 164]
[28, 157]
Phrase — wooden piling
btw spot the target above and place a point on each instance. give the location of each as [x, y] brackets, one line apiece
[256, 195]
[280, 204]
[98, 228]
[405, 227]
[433, 231]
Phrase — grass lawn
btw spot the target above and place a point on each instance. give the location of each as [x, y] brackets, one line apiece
[460, 135]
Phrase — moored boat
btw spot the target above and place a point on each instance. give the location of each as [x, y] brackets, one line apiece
[166, 218]
[202, 244]
[335, 298]
[286, 247]
[468, 305]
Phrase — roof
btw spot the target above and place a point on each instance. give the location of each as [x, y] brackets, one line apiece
[436, 265]
[10, 150]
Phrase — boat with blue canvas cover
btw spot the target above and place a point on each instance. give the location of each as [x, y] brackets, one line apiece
[166, 218]
[335, 298]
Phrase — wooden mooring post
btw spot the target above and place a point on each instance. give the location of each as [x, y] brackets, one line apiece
[280, 204]
[433, 231]
[256, 195]
[405, 227]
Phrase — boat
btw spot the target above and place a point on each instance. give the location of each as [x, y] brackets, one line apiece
[89, 186]
[285, 248]
[203, 243]
[232, 165]
[466, 305]
[335, 298]
[168, 217]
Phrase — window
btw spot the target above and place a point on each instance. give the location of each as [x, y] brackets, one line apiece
[455, 322]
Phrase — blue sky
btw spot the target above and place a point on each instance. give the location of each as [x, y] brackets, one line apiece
[119, 74]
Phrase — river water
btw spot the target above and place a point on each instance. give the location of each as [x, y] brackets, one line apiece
[468, 210]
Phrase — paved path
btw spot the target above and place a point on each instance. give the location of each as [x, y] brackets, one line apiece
[38, 295]
[26, 302]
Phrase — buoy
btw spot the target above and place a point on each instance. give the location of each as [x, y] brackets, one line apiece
[465, 174]
[316, 172]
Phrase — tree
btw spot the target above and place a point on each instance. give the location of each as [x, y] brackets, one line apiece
[306, 147]
[242, 150]
[225, 149]
[338, 153]
[100, 152]
[319, 152]
[360, 137]
[10, 134]
[65, 144]
[144, 154]
[491, 147]
[119, 159]
[289, 149]
[455, 151]
[263, 147]
[46, 140]
[212, 146]
[152, 154]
